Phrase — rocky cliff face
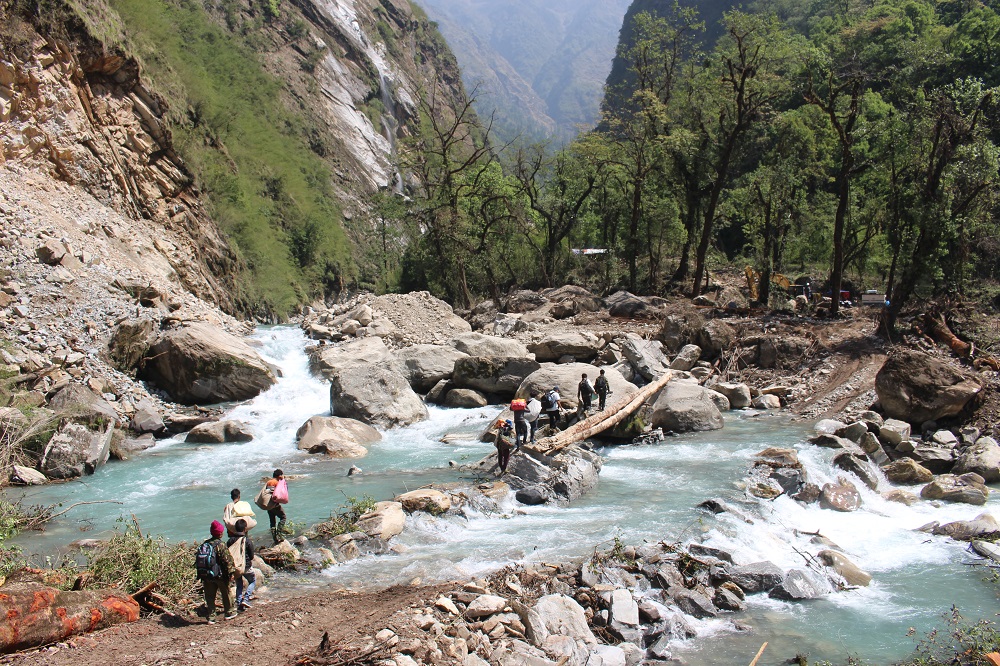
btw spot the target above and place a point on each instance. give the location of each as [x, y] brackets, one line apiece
[75, 112]
[78, 104]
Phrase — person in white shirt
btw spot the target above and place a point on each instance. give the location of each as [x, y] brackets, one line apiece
[534, 411]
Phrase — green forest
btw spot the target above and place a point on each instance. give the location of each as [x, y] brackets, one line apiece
[856, 142]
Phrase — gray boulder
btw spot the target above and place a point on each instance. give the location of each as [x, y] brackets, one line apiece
[124, 448]
[646, 356]
[477, 344]
[426, 365]
[756, 577]
[693, 603]
[327, 360]
[849, 571]
[493, 374]
[378, 397]
[220, 432]
[336, 437]
[75, 451]
[465, 398]
[937, 459]
[853, 432]
[982, 526]
[857, 466]
[147, 418]
[834, 442]
[872, 447]
[532, 496]
[968, 488]
[894, 432]
[800, 585]
[686, 358]
[982, 458]
[738, 394]
[828, 426]
[714, 338]
[579, 344]
[201, 364]
[79, 403]
[26, 476]
[915, 387]
[679, 330]
[684, 406]
[629, 306]
[562, 616]
[130, 342]
[567, 376]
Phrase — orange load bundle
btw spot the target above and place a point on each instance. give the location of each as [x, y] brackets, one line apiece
[518, 405]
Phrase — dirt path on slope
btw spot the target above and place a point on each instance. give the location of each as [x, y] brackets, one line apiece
[271, 633]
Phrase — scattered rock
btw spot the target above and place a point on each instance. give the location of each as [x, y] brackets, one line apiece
[982, 526]
[431, 501]
[907, 471]
[968, 489]
[737, 394]
[840, 496]
[220, 432]
[982, 458]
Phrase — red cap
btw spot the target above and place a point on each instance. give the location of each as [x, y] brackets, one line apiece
[216, 529]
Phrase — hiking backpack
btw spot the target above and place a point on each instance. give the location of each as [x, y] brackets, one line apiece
[206, 562]
[549, 402]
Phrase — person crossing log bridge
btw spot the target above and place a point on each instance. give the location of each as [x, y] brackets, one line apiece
[601, 421]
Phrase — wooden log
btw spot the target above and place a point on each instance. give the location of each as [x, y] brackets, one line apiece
[939, 330]
[993, 658]
[759, 653]
[32, 614]
[601, 421]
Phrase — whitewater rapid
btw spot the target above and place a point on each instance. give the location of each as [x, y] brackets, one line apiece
[646, 493]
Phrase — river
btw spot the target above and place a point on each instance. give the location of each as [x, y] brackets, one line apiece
[646, 492]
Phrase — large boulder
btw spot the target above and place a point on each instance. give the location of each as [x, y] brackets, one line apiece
[629, 306]
[147, 419]
[26, 476]
[465, 398]
[493, 374]
[737, 394]
[385, 521]
[685, 406]
[983, 458]
[75, 451]
[679, 330]
[201, 364]
[130, 343]
[646, 356]
[219, 432]
[967, 489]
[907, 472]
[756, 577]
[580, 345]
[849, 571]
[562, 616]
[573, 298]
[916, 387]
[858, 466]
[937, 459]
[427, 499]
[357, 354]
[79, 403]
[715, 337]
[686, 358]
[840, 496]
[799, 585]
[336, 437]
[982, 526]
[376, 396]
[426, 365]
[567, 376]
[477, 344]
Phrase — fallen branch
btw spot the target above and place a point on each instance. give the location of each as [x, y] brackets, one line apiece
[759, 653]
[73, 506]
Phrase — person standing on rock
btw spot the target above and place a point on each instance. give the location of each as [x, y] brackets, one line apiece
[551, 407]
[602, 388]
[519, 408]
[215, 569]
[533, 412]
[585, 394]
[504, 431]
[243, 594]
[270, 499]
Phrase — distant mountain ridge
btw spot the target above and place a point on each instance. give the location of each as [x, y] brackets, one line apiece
[540, 65]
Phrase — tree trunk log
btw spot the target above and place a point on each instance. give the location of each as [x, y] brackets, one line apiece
[35, 614]
[601, 421]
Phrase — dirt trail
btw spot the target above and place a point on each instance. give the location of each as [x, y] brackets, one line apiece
[271, 633]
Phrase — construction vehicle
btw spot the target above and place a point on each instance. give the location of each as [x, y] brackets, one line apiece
[753, 282]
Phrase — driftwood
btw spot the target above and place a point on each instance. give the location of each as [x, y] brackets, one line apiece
[759, 653]
[601, 421]
[939, 330]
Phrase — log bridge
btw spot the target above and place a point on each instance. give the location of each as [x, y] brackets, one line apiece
[604, 420]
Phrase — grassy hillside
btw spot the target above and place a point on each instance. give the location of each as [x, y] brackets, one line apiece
[269, 192]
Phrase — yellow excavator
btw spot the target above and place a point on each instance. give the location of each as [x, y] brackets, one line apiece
[753, 282]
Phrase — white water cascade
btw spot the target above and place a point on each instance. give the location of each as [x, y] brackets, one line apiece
[646, 493]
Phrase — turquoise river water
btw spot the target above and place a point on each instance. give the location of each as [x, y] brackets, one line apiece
[646, 492]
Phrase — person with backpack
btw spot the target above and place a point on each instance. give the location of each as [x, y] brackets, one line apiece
[550, 404]
[235, 510]
[585, 394]
[215, 569]
[502, 442]
[602, 388]
[519, 407]
[271, 498]
[241, 548]
[533, 412]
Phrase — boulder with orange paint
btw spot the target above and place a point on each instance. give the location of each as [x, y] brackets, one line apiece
[32, 614]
